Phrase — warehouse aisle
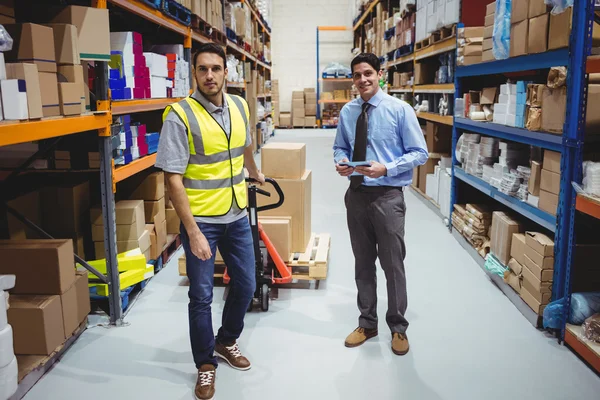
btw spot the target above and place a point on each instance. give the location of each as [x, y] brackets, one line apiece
[467, 340]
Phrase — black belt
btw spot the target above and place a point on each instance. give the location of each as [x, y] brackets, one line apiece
[378, 189]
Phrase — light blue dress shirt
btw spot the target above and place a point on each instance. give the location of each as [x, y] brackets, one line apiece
[395, 138]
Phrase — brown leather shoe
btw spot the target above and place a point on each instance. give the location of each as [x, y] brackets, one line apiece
[205, 386]
[359, 336]
[399, 344]
[233, 356]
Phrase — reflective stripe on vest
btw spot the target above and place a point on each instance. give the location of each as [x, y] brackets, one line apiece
[214, 178]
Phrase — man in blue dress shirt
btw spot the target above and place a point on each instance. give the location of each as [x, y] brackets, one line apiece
[383, 132]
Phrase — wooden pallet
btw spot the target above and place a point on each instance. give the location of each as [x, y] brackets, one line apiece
[423, 43]
[313, 263]
[437, 36]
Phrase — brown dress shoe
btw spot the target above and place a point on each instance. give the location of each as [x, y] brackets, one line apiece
[400, 344]
[205, 386]
[233, 356]
[359, 336]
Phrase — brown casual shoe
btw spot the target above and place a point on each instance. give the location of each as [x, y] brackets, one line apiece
[205, 386]
[399, 344]
[233, 356]
[359, 336]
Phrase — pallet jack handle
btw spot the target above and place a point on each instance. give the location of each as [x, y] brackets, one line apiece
[275, 185]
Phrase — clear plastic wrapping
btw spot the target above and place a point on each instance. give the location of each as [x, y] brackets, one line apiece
[591, 328]
[501, 33]
[559, 6]
[557, 77]
[591, 177]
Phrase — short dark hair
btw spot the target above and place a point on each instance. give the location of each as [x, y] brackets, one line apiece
[368, 58]
[210, 48]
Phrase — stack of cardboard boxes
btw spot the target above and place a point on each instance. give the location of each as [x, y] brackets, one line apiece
[298, 109]
[286, 163]
[49, 301]
[9, 370]
[304, 109]
[310, 107]
[504, 226]
[275, 101]
[470, 45]
[210, 11]
[550, 182]
[538, 271]
[439, 143]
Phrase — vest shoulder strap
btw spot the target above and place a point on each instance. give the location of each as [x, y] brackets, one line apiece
[242, 107]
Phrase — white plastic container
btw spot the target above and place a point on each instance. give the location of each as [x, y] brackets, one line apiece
[9, 378]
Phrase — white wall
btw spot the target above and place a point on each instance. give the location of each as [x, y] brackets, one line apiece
[294, 42]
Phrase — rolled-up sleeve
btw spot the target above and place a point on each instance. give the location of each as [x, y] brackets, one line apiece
[413, 140]
[173, 147]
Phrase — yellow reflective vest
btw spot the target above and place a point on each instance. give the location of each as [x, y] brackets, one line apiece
[214, 177]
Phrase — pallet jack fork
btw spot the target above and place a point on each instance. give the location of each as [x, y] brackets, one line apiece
[271, 269]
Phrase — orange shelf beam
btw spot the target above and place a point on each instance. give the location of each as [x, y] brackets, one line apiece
[366, 14]
[588, 205]
[333, 28]
[448, 120]
[133, 106]
[152, 15]
[123, 172]
[593, 65]
[587, 349]
[28, 131]
[336, 80]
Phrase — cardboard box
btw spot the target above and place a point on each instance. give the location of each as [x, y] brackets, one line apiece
[470, 60]
[75, 304]
[548, 202]
[438, 138]
[27, 205]
[70, 98]
[551, 161]
[533, 284]
[28, 73]
[155, 209]
[93, 33]
[488, 55]
[424, 73]
[66, 43]
[487, 44]
[550, 182]
[535, 178]
[490, 19]
[519, 11]
[513, 280]
[592, 126]
[501, 235]
[554, 108]
[154, 249]
[538, 34]
[130, 220]
[539, 260]
[519, 38]
[310, 110]
[143, 243]
[532, 302]
[74, 74]
[279, 231]
[49, 92]
[283, 160]
[298, 121]
[297, 205]
[488, 32]
[515, 266]
[536, 8]
[490, 9]
[298, 103]
[161, 233]
[543, 275]
[65, 209]
[54, 275]
[173, 222]
[541, 243]
[147, 188]
[285, 119]
[37, 324]
[517, 249]
[32, 43]
[560, 29]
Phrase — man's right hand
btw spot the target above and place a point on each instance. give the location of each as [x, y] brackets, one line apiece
[200, 246]
[344, 170]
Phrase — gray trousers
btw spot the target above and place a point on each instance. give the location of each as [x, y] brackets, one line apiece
[376, 223]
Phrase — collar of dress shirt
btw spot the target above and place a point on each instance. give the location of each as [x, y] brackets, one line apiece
[210, 107]
[375, 100]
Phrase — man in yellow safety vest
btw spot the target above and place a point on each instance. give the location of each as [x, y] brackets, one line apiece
[205, 143]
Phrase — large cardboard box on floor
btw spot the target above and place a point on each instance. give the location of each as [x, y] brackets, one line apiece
[297, 205]
[279, 232]
[23, 258]
[37, 324]
[283, 160]
[501, 235]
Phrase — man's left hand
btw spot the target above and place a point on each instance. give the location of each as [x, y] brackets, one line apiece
[376, 170]
[259, 177]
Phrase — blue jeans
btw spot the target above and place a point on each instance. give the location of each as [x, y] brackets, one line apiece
[235, 244]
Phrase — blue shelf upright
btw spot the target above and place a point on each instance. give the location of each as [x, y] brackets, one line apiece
[569, 144]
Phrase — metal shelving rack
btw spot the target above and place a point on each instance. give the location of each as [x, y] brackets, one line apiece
[570, 144]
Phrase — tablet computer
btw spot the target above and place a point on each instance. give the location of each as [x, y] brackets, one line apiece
[355, 164]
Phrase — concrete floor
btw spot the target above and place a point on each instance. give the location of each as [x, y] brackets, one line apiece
[467, 340]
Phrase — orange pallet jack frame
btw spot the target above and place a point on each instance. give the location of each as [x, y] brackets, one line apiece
[266, 275]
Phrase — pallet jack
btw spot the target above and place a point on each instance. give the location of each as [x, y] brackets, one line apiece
[271, 269]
